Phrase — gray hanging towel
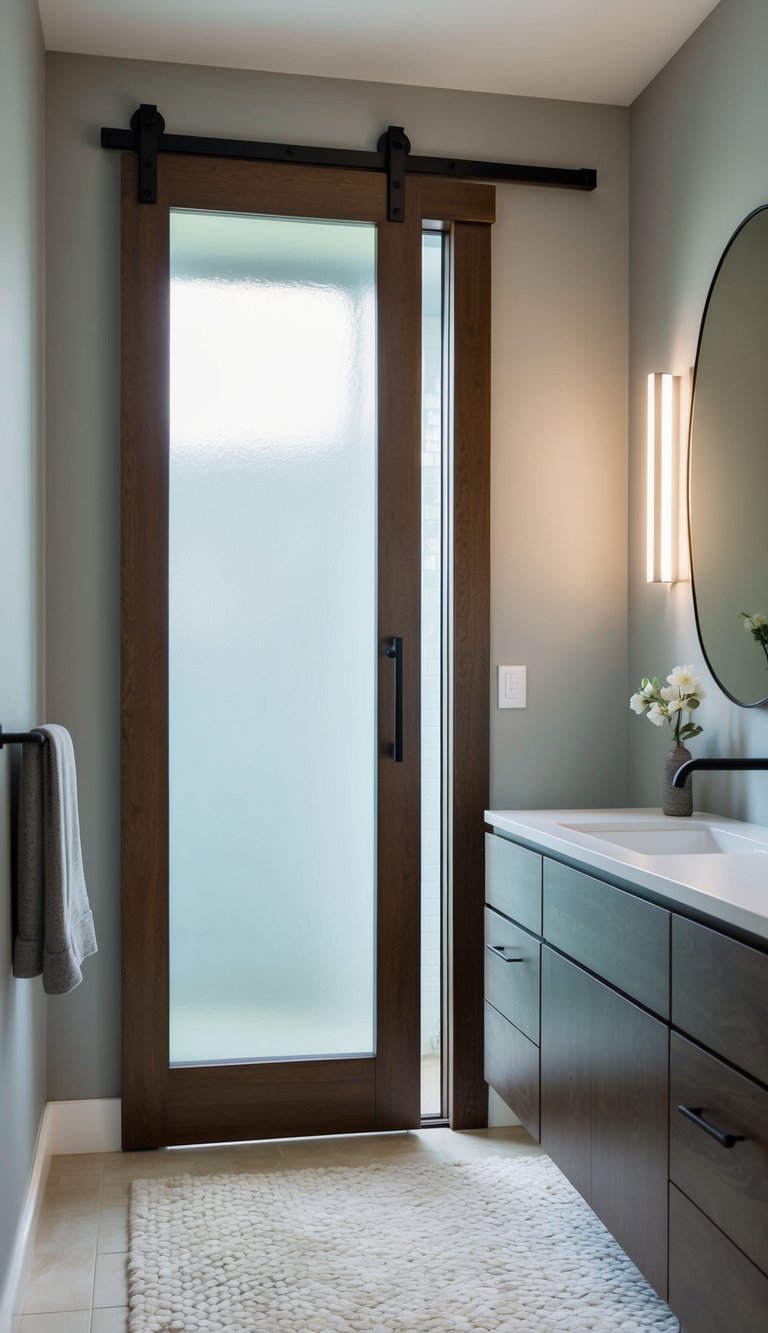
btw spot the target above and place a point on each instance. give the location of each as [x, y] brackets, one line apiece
[54, 921]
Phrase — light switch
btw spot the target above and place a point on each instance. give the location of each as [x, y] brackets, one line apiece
[511, 687]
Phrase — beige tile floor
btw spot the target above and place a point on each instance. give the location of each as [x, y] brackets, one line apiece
[78, 1279]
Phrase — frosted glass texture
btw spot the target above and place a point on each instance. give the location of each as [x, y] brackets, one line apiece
[272, 638]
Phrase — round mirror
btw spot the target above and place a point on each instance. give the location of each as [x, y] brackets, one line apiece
[728, 468]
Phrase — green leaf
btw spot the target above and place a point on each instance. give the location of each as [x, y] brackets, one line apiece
[690, 729]
[691, 704]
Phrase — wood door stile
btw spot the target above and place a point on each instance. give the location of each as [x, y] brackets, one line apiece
[398, 1061]
[144, 661]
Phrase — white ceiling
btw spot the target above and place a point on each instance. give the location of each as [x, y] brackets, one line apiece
[579, 50]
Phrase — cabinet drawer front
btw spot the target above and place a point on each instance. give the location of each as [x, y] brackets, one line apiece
[512, 1068]
[623, 939]
[713, 1287]
[513, 881]
[730, 1185]
[567, 1002]
[512, 987]
[720, 994]
[630, 1119]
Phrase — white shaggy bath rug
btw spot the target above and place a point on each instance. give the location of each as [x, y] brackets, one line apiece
[502, 1244]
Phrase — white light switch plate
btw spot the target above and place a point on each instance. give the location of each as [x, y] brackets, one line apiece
[512, 687]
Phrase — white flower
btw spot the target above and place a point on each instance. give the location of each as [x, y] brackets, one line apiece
[684, 679]
[756, 622]
[670, 702]
[656, 716]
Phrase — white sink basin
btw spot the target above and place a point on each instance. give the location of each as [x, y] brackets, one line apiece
[671, 839]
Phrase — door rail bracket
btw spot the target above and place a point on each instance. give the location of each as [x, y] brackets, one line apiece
[148, 126]
[395, 144]
[147, 137]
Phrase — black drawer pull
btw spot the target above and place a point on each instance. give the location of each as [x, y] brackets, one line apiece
[500, 951]
[725, 1139]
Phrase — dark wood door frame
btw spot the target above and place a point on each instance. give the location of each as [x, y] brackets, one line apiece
[161, 1105]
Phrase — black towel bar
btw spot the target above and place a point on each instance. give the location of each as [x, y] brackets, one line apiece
[20, 738]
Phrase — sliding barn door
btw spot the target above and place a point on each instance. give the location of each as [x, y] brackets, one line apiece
[270, 654]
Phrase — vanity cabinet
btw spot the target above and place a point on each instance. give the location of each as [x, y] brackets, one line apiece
[513, 877]
[617, 936]
[718, 1132]
[604, 1106]
[720, 994]
[616, 1012]
[727, 1180]
[583, 1067]
[513, 881]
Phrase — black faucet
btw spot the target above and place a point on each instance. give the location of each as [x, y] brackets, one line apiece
[692, 764]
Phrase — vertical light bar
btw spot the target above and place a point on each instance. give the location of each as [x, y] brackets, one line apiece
[650, 481]
[662, 445]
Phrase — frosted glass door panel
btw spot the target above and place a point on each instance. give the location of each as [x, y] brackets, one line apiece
[272, 638]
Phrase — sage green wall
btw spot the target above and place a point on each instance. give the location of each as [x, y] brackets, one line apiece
[559, 438]
[22, 1004]
[698, 166]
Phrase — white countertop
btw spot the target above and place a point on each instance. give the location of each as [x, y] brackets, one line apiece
[732, 888]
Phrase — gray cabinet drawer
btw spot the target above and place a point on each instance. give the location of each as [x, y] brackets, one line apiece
[730, 1185]
[720, 994]
[713, 1287]
[513, 881]
[623, 939]
[512, 1068]
[512, 964]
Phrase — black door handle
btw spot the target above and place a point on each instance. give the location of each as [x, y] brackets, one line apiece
[725, 1139]
[395, 651]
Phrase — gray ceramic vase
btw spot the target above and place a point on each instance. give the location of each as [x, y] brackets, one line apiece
[677, 800]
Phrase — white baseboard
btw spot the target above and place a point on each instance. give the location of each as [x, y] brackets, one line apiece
[65, 1127]
[21, 1254]
[85, 1126]
[498, 1112]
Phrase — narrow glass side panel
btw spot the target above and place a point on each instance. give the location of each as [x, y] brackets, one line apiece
[431, 675]
[272, 638]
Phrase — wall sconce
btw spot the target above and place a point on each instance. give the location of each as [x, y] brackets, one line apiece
[662, 474]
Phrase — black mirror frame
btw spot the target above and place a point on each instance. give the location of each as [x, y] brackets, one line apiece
[757, 703]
